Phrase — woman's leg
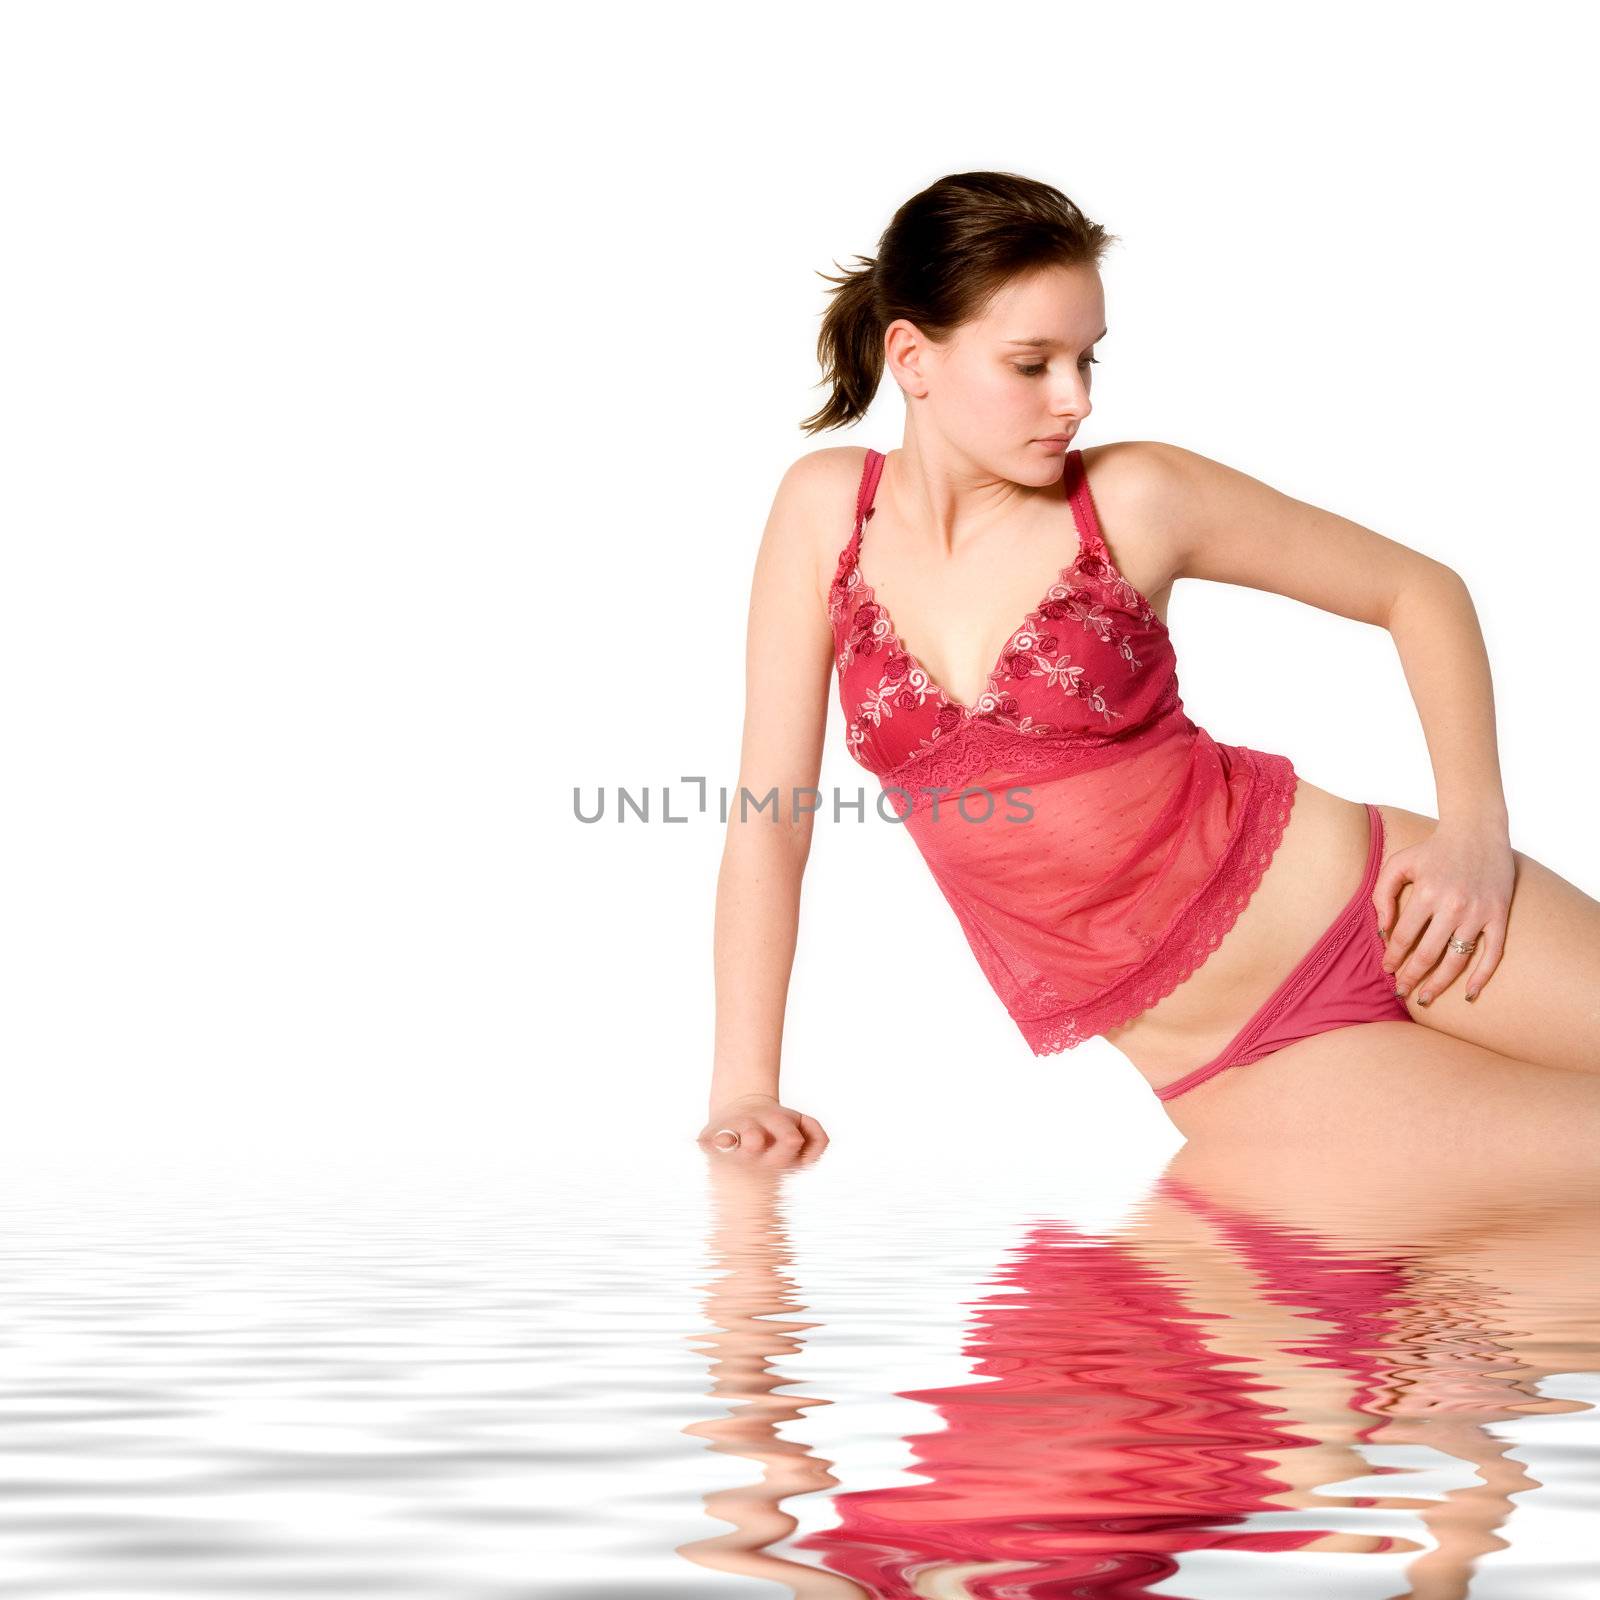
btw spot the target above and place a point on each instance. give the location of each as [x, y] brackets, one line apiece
[1500, 1253]
[1391, 1094]
[1543, 1002]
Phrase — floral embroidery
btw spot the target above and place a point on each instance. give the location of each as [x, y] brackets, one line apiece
[905, 684]
[864, 629]
[905, 692]
[1066, 676]
[1064, 602]
[1096, 566]
[1031, 652]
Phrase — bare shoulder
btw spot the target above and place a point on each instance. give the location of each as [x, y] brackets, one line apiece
[1182, 514]
[818, 477]
[812, 509]
[1138, 487]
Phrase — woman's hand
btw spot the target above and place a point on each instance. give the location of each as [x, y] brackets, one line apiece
[762, 1124]
[1461, 878]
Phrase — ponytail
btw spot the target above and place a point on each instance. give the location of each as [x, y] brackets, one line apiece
[849, 348]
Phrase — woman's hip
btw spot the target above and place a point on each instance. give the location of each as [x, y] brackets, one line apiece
[1315, 873]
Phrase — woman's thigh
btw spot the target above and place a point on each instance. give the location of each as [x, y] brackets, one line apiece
[1496, 1225]
[1400, 1099]
[1543, 1002]
[1378, 1195]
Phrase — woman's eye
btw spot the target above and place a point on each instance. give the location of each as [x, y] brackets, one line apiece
[1035, 370]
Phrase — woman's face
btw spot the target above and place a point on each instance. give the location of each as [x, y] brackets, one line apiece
[1011, 377]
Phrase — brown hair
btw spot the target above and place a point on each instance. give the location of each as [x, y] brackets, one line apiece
[945, 254]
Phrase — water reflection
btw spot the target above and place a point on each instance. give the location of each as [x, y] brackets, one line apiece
[1250, 1389]
[947, 1377]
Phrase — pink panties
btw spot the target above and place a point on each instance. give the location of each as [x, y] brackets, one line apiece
[1339, 981]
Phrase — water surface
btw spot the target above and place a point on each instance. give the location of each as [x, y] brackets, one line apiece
[687, 1376]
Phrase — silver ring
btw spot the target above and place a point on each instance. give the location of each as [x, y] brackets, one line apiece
[732, 1134]
[1462, 947]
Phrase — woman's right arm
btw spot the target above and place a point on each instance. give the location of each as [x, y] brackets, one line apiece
[788, 662]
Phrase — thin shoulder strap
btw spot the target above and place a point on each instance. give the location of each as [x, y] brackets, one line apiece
[871, 471]
[1082, 502]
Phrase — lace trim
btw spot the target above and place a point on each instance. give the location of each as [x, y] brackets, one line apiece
[985, 745]
[1207, 918]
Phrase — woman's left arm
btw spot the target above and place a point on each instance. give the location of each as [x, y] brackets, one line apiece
[1218, 523]
[1462, 874]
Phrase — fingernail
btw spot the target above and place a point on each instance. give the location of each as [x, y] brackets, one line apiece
[1400, 991]
[1423, 999]
[1383, 933]
[1472, 994]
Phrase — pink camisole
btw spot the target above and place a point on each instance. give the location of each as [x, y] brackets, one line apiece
[1094, 843]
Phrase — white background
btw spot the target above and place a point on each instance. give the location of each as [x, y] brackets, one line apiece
[393, 398]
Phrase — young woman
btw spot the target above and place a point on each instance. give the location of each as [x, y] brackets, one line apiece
[1268, 955]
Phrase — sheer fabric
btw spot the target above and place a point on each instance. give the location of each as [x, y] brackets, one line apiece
[1094, 842]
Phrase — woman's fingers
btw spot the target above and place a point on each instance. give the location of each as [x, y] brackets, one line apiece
[1433, 979]
[1419, 962]
[813, 1129]
[1386, 900]
[752, 1135]
[783, 1133]
[1422, 959]
[764, 1128]
[1491, 942]
[1458, 898]
[1400, 936]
